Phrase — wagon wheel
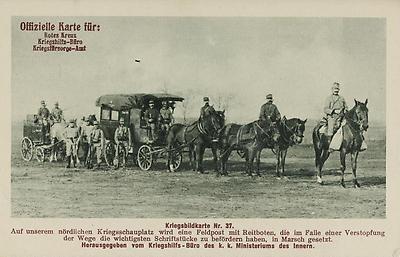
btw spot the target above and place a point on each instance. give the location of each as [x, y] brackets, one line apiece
[27, 149]
[109, 153]
[39, 154]
[145, 157]
[241, 153]
[175, 160]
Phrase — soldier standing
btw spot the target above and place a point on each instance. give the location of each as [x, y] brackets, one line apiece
[166, 117]
[152, 117]
[57, 113]
[206, 109]
[96, 142]
[269, 111]
[72, 138]
[122, 136]
[43, 112]
[334, 107]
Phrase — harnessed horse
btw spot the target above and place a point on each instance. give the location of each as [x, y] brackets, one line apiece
[356, 123]
[291, 132]
[250, 138]
[197, 137]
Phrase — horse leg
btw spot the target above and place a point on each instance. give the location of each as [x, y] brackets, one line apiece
[252, 154]
[354, 157]
[278, 162]
[258, 156]
[342, 165]
[192, 166]
[199, 154]
[215, 158]
[323, 157]
[283, 159]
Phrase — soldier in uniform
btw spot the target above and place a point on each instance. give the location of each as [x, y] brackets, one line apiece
[96, 142]
[57, 113]
[152, 117]
[166, 117]
[269, 111]
[206, 109]
[43, 112]
[335, 105]
[72, 138]
[122, 136]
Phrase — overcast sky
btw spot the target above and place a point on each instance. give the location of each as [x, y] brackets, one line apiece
[295, 59]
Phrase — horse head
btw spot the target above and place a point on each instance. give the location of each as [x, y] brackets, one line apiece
[293, 129]
[213, 123]
[359, 115]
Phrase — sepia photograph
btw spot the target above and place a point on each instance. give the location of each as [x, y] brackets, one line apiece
[198, 117]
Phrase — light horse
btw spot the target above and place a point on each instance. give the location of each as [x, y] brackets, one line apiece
[356, 123]
[250, 138]
[57, 138]
[291, 132]
[197, 137]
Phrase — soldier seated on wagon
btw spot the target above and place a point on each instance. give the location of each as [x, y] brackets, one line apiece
[166, 117]
[152, 117]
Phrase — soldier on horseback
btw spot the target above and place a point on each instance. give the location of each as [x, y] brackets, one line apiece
[206, 109]
[334, 108]
[269, 111]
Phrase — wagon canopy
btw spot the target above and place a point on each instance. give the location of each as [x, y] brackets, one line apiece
[133, 101]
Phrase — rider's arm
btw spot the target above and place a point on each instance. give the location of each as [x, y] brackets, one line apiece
[327, 107]
[262, 116]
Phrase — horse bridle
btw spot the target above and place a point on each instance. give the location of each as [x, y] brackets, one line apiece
[291, 139]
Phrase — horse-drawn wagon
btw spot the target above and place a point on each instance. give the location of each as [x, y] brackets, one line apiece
[36, 140]
[131, 107]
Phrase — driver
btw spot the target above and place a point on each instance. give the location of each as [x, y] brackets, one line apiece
[166, 117]
[152, 117]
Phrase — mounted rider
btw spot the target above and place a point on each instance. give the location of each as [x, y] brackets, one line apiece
[166, 117]
[122, 136]
[269, 111]
[335, 109]
[96, 142]
[152, 117]
[206, 109]
[57, 113]
[72, 138]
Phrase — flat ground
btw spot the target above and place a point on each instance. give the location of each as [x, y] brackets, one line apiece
[50, 190]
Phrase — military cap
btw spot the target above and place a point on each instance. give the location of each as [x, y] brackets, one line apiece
[335, 85]
[164, 102]
[151, 102]
[71, 121]
[269, 96]
[56, 103]
[206, 99]
[95, 122]
[122, 119]
[42, 102]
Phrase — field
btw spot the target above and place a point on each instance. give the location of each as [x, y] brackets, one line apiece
[50, 190]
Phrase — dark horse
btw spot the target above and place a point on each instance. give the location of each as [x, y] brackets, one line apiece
[356, 123]
[197, 136]
[250, 138]
[291, 132]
